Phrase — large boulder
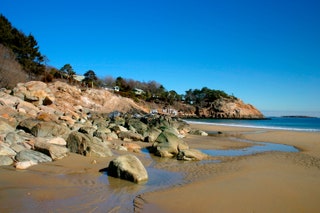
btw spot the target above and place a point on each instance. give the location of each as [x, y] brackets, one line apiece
[54, 151]
[87, 145]
[50, 129]
[128, 167]
[168, 145]
[138, 125]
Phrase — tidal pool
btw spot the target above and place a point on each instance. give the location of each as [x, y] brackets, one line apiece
[259, 147]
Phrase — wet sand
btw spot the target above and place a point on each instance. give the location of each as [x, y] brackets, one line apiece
[267, 182]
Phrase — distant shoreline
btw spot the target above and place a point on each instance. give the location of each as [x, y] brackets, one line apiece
[297, 116]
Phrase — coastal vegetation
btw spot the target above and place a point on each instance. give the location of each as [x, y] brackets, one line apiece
[21, 61]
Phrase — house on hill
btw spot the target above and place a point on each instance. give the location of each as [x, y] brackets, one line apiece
[138, 91]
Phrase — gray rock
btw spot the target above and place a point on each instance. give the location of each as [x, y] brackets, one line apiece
[168, 145]
[16, 137]
[5, 127]
[49, 129]
[5, 150]
[87, 145]
[52, 150]
[112, 135]
[198, 132]
[87, 130]
[27, 124]
[18, 147]
[31, 155]
[5, 160]
[138, 125]
[99, 149]
[128, 167]
[130, 135]
[118, 128]
[191, 154]
[152, 134]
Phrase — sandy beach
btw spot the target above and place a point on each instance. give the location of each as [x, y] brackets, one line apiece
[265, 182]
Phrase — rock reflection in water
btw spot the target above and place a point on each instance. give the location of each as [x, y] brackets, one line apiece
[124, 192]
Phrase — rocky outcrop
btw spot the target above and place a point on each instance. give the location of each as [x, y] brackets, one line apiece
[229, 108]
[43, 122]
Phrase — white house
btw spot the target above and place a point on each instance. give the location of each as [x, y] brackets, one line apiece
[138, 91]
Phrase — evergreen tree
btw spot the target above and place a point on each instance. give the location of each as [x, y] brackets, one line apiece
[68, 71]
[25, 48]
[90, 78]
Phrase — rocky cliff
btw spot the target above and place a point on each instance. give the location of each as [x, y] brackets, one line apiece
[229, 109]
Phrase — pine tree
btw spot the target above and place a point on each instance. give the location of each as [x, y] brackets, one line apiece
[24, 47]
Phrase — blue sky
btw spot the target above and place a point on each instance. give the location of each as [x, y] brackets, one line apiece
[267, 53]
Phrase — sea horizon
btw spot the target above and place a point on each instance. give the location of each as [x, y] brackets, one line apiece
[280, 113]
[305, 124]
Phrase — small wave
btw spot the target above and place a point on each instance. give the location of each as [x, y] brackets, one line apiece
[255, 126]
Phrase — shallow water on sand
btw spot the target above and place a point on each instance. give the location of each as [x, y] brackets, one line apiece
[80, 192]
[259, 147]
[41, 191]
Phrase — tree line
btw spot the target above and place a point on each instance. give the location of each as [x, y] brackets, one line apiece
[21, 60]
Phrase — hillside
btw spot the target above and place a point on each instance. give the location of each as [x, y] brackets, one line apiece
[62, 98]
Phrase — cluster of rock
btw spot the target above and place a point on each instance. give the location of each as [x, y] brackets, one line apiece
[229, 108]
[41, 123]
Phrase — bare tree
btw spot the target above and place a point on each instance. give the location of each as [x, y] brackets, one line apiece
[11, 71]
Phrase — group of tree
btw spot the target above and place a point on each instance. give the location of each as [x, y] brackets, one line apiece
[205, 96]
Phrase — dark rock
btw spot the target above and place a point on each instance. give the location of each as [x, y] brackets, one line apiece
[138, 125]
[31, 155]
[27, 124]
[87, 145]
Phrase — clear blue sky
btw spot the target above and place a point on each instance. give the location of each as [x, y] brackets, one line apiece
[267, 53]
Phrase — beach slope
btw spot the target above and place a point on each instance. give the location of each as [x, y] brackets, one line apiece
[267, 182]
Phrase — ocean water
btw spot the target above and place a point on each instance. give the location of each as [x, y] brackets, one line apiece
[280, 123]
